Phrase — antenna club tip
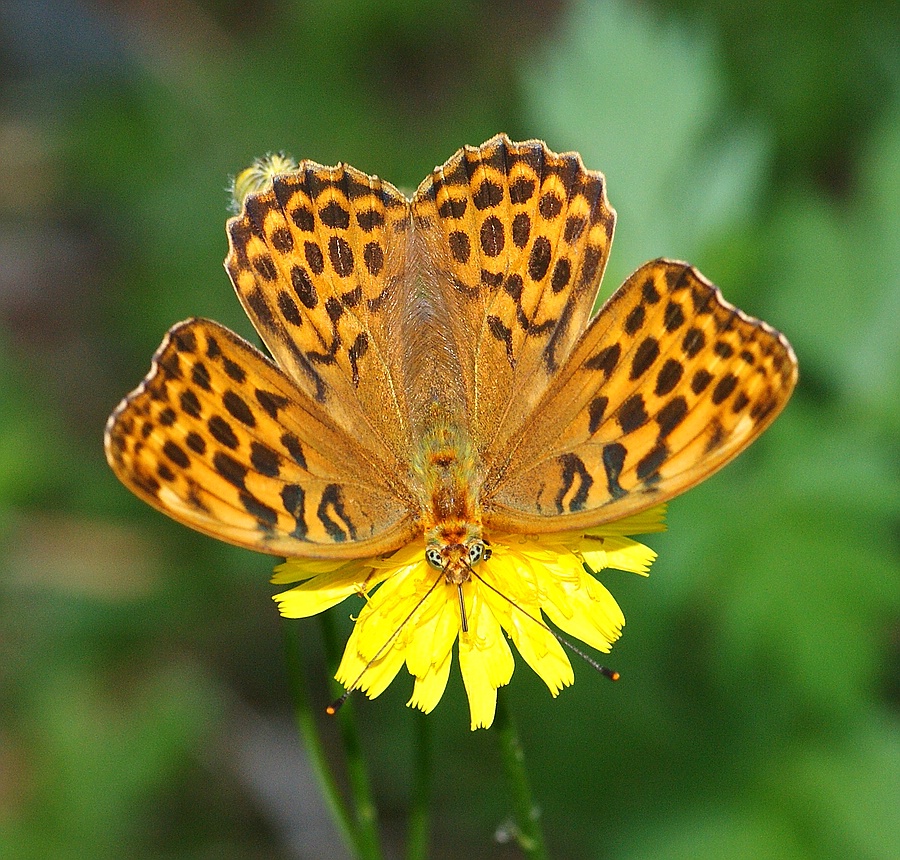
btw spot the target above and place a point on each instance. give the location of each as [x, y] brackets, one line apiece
[335, 706]
[614, 676]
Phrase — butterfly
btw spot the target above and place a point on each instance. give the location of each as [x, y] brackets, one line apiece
[436, 374]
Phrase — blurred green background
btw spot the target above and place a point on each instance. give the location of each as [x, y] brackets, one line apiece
[144, 708]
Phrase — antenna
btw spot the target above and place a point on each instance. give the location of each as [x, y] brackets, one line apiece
[462, 608]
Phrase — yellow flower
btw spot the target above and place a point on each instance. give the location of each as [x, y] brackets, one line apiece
[259, 176]
[413, 615]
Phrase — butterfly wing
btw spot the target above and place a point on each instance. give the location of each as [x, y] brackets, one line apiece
[668, 384]
[513, 241]
[317, 259]
[220, 439]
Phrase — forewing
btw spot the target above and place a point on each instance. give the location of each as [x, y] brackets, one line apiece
[223, 441]
[514, 241]
[317, 260]
[668, 384]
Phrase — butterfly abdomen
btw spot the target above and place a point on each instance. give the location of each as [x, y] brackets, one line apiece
[445, 470]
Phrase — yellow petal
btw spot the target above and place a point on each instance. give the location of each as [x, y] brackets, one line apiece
[408, 554]
[371, 676]
[632, 556]
[430, 687]
[430, 643]
[316, 595]
[484, 659]
[352, 663]
[379, 675]
[588, 613]
[486, 635]
[299, 569]
[542, 651]
[482, 694]
[394, 610]
[646, 522]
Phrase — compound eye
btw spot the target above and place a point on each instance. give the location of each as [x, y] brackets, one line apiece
[433, 557]
[476, 552]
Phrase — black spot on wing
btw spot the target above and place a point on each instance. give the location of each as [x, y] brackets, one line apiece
[723, 388]
[521, 190]
[644, 356]
[339, 527]
[673, 318]
[334, 215]
[195, 442]
[282, 240]
[233, 370]
[694, 340]
[453, 208]
[521, 229]
[700, 380]
[460, 247]
[302, 217]
[222, 431]
[266, 517]
[355, 353]
[723, 349]
[369, 219]
[605, 360]
[492, 237]
[238, 407]
[669, 376]
[176, 454]
[265, 460]
[649, 292]
[270, 402]
[671, 415]
[185, 341]
[341, 256]
[562, 272]
[648, 466]
[294, 448]
[373, 257]
[539, 258]
[573, 468]
[596, 410]
[574, 228]
[632, 414]
[613, 462]
[230, 469]
[260, 307]
[635, 319]
[304, 287]
[487, 195]
[293, 497]
[200, 376]
[503, 333]
[550, 205]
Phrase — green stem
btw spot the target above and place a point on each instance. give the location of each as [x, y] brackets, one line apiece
[530, 834]
[360, 790]
[308, 728]
[419, 818]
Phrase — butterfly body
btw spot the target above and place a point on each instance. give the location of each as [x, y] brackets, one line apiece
[436, 375]
[446, 471]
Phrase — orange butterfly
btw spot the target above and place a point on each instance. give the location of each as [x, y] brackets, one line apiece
[436, 375]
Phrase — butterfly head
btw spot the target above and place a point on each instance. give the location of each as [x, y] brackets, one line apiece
[455, 550]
